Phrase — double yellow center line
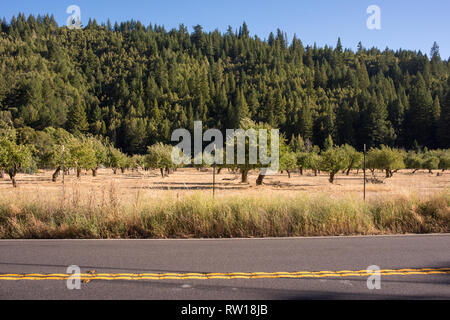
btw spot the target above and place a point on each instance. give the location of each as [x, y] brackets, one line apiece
[224, 276]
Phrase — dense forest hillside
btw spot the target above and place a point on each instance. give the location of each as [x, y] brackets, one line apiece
[136, 84]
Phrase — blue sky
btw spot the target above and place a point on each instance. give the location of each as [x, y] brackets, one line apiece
[405, 24]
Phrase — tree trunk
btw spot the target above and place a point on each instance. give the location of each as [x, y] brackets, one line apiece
[315, 173]
[78, 173]
[122, 170]
[260, 179]
[289, 173]
[348, 171]
[56, 174]
[301, 171]
[2, 174]
[244, 176]
[12, 175]
[162, 172]
[94, 172]
[14, 182]
[115, 170]
[219, 170]
[332, 175]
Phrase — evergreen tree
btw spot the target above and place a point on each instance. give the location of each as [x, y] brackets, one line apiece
[76, 119]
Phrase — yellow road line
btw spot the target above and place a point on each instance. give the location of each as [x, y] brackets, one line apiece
[222, 276]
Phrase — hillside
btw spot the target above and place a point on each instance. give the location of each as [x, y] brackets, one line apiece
[136, 84]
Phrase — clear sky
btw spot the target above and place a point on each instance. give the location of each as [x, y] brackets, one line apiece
[405, 24]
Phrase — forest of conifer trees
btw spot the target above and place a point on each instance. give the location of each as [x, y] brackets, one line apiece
[136, 84]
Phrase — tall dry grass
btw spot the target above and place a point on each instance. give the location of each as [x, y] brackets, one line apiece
[78, 215]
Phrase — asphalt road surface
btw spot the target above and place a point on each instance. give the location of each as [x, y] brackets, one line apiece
[214, 256]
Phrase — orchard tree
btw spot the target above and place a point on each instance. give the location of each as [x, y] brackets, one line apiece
[444, 160]
[313, 161]
[14, 158]
[430, 163]
[354, 158]
[126, 164]
[413, 161]
[386, 159]
[101, 153]
[301, 161]
[49, 148]
[334, 160]
[245, 165]
[159, 156]
[82, 156]
[288, 160]
[116, 159]
[138, 162]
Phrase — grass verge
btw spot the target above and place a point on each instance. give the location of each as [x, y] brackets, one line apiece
[199, 216]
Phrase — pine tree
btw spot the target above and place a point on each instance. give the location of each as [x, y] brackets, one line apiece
[419, 124]
[443, 130]
[306, 122]
[76, 120]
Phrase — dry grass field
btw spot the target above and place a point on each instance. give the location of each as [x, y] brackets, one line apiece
[140, 185]
[145, 205]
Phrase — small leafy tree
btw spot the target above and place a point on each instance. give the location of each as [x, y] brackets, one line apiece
[101, 154]
[116, 159]
[127, 164]
[82, 156]
[14, 157]
[354, 158]
[313, 161]
[138, 162]
[204, 161]
[245, 167]
[334, 159]
[288, 160]
[413, 161]
[301, 161]
[430, 163]
[49, 145]
[387, 159]
[444, 160]
[159, 156]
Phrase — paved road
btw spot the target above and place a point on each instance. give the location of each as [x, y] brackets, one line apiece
[259, 255]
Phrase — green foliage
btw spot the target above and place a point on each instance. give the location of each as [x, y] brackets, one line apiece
[387, 159]
[14, 157]
[288, 159]
[413, 161]
[100, 150]
[136, 85]
[138, 162]
[159, 156]
[430, 163]
[82, 155]
[444, 161]
[116, 159]
[354, 158]
[333, 160]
